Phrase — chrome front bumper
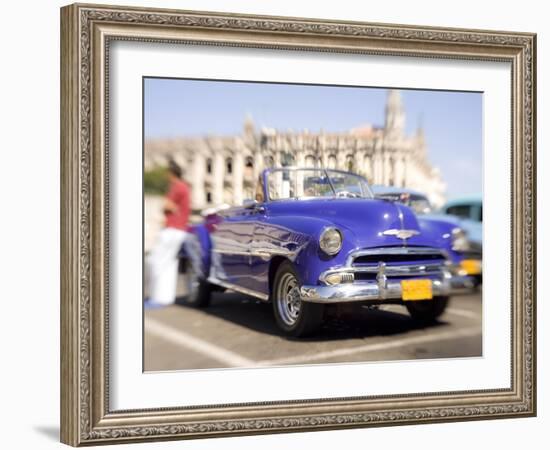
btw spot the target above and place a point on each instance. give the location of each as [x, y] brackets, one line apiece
[390, 290]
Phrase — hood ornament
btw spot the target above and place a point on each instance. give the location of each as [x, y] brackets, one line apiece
[401, 234]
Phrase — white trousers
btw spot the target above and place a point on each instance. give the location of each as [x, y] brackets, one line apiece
[163, 265]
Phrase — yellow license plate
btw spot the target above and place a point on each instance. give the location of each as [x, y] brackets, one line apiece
[416, 290]
[471, 266]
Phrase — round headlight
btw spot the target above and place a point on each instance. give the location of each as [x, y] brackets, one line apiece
[330, 241]
[460, 241]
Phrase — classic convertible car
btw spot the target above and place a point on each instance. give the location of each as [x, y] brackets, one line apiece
[315, 237]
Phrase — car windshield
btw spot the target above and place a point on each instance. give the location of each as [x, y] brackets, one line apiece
[290, 183]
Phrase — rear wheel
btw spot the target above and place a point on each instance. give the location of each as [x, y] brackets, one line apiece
[199, 290]
[293, 316]
[427, 311]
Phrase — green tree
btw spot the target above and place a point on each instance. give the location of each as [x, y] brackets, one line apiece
[155, 181]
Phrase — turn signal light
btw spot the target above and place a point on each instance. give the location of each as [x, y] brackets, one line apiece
[338, 278]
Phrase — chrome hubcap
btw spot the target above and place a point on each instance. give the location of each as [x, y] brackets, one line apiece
[288, 299]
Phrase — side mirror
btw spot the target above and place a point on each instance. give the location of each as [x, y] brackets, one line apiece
[254, 206]
[250, 203]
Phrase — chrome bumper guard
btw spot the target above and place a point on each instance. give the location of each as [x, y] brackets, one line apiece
[372, 290]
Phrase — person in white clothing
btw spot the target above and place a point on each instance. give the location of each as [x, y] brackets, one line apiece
[163, 260]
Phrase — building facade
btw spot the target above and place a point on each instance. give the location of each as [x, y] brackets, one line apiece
[224, 169]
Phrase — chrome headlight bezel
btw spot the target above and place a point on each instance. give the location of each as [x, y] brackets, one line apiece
[460, 242]
[331, 240]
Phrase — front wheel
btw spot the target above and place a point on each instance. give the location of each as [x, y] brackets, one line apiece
[427, 311]
[293, 316]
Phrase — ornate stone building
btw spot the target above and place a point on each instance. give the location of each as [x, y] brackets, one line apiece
[223, 169]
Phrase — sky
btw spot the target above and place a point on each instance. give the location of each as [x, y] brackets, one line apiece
[452, 121]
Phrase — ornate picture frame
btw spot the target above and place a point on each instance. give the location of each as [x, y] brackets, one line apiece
[86, 34]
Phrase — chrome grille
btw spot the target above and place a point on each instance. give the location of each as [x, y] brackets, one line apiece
[396, 255]
[399, 262]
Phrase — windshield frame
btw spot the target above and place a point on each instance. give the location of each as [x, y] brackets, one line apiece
[326, 171]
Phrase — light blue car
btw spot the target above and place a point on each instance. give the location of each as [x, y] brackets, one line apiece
[469, 212]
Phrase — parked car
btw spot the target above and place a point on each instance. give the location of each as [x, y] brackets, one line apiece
[316, 237]
[415, 200]
[468, 213]
[460, 212]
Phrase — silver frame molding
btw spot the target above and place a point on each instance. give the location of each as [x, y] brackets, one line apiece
[86, 34]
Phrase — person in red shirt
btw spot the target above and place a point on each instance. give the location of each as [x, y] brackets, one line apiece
[176, 203]
[163, 260]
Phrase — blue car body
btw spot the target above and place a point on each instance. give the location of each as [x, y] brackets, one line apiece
[241, 248]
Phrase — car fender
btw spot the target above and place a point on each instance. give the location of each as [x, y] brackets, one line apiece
[197, 247]
[441, 230]
[308, 259]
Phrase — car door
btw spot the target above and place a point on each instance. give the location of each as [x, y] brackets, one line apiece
[231, 243]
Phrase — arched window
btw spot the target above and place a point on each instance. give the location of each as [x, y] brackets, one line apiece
[332, 163]
[287, 159]
[310, 161]
[209, 165]
[229, 165]
[350, 163]
[208, 197]
[248, 170]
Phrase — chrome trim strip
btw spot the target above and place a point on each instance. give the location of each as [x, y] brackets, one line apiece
[231, 252]
[240, 289]
[271, 252]
[379, 290]
[257, 252]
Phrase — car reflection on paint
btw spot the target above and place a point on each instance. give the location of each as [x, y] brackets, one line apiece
[316, 237]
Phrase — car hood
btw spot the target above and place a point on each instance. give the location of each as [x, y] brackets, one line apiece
[364, 220]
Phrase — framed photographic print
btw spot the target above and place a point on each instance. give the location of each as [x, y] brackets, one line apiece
[280, 224]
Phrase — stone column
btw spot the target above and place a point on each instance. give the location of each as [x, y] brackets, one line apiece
[278, 176]
[258, 164]
[400, 171]
[300, 162]
[406, 171]
[386, 169]
[218, 173]
[367, 169]
[341, 156]
[377, 167]
[358, 160]
[238, 176]
[197, 180]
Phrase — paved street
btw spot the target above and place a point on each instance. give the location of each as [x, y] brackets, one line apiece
[239, 331]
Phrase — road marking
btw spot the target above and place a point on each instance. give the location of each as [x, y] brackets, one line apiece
[467, 332]
[183, 339]
[464, 313]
